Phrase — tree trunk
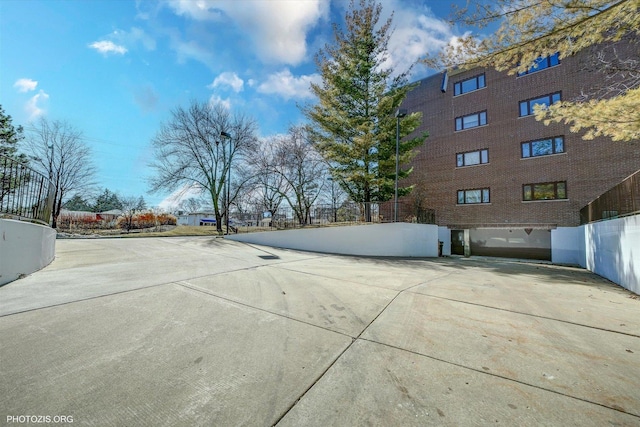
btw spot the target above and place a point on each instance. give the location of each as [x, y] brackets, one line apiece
[56, 212]
[218, 222]
[367, 204]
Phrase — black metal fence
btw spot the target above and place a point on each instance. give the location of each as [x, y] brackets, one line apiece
[621, 200]
[24, 193]
[326, 215]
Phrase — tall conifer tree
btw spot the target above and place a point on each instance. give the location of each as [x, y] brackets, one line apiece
[353, 123]
[10, 136]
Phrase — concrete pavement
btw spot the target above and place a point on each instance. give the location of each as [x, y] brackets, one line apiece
[205, 331]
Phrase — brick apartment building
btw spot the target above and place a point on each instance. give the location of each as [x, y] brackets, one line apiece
[496, 177]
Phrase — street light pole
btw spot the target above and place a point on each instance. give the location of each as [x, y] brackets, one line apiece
[52, 189]
[333, 200]
[224, 134]
[51, 147]
[399, 114]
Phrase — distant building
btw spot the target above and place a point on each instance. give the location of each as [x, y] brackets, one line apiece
[496, 177]
[197, 219]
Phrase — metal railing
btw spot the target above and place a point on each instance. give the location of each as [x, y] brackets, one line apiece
[621, 200]
[24, 193]
[349, 213]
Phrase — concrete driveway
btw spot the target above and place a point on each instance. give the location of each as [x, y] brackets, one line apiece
[205, 331]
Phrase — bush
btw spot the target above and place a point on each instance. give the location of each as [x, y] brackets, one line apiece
[145, 220]
[80, 222]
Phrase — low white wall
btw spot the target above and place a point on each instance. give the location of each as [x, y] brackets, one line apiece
[396, 239]
[444, 235]
[568, 246]
[24, 248]
[613, 250]
[609, 248]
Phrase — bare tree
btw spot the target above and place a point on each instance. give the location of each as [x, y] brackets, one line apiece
[59, 152]
[269, 185]
[333, 195]
[130, 205]
[302, 171]
[202, 146]
[191, 205]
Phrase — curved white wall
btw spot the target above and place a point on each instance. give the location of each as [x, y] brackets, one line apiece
[396, 239]
[24, 248]
[609, 248]
[613, 250]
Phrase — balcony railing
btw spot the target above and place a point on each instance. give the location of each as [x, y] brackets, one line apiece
[24, 193]
[621, 200]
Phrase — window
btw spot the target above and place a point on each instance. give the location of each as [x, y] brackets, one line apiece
[469, 85]
[526, 107]
[472, 158]
[472, 197]
[543, 147]
[545, 191]
[542, 63]
[471, 121]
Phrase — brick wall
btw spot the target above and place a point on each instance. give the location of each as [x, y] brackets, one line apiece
[588, 167]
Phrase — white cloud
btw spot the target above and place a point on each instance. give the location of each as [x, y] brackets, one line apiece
[133, 37]
[417, 32]
[202, 10]
[215, 99]
[286, 85]
[278, 28]
[138, 35]
[118, 40]
[106, 47]
[145, 9]
[190, 50]
[25, 85]
[228, 79]
[35, 107]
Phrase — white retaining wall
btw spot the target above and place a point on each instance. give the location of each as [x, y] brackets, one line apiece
[568, 247]
[444, 235]
[24, 248]
[613, 250]
[396, 239]
[609, 248]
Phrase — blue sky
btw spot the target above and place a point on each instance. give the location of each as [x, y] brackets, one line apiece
[115, 69]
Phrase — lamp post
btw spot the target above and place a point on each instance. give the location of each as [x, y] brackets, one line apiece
[52, 188]
[224, 134]
[400, 113]
[333, 200]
